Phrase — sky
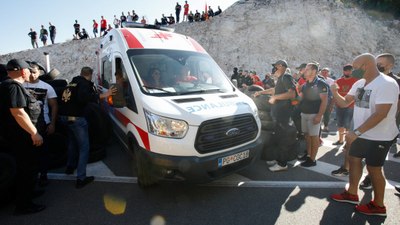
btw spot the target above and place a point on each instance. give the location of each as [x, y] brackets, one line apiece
[18, 16]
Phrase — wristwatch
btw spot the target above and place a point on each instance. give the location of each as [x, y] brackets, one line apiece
[357, 132]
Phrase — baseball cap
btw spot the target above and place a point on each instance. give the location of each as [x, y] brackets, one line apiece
[281, 62]
[17, 64]
[326, 68]
[303, 65]
[347, 67]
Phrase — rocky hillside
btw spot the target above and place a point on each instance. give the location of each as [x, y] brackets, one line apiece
[253, 34]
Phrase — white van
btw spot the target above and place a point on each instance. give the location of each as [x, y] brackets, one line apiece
[175, 108]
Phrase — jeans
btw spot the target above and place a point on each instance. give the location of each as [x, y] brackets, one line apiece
[78, 145]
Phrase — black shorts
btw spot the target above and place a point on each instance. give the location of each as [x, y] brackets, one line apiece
[374, 152]
[102, 29]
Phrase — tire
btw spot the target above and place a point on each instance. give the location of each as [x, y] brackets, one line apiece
[268, 125]
[270, 152]
[286, 136]
[264, 115]
[144, 169]
[267, 137]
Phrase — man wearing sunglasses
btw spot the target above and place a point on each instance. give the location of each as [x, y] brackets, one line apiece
[375, 97]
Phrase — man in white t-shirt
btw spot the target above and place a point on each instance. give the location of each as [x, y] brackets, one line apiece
[46, 94]
[375, 97]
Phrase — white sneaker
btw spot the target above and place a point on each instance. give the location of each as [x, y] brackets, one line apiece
[277, 167]
[271, 163]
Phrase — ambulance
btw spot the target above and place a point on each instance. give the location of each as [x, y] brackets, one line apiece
[174, 108]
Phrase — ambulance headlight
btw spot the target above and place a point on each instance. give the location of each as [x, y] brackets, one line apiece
[165, 127]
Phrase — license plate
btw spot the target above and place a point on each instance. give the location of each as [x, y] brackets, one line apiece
[233, 158]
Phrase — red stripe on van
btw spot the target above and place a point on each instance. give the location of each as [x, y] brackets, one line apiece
[143, 134]
[131, 40]
[197, 46]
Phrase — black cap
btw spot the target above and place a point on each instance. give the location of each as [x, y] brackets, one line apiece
[302, 66]
[281, 62]
[17, 64]
[347, 67]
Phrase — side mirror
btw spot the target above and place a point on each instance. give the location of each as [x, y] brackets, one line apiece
[117, 100]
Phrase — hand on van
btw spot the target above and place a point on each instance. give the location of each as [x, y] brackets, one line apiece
[111, 91]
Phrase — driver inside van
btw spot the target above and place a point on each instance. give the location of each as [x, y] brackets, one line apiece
[154, 78]
[184, 75]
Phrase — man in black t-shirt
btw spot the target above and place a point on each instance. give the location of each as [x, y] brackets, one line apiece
[313, 104]
[33, 36]
[284, 91]
[52, 30]
[77, 28]
[21, 133]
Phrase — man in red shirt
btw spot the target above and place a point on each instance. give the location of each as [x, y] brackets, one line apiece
[344, 116]
[103, 26]
[185, 11]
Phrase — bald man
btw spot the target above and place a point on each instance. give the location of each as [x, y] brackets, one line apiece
[18, 129]
[375, 96]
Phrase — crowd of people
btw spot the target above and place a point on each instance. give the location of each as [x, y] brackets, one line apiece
[120, 22]
[366, 100]
[30, 110]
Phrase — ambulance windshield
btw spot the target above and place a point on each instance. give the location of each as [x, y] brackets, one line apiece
[175, 72]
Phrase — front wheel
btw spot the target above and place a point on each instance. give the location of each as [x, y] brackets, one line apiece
[144, 168]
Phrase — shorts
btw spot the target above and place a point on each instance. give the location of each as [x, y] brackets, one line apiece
[374, 152]
[344, 117]
[103, 29]
[307, 125]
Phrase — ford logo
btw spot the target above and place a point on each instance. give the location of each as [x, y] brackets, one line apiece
[232, 132]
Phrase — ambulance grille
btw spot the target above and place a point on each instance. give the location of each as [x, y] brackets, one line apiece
[222, 133]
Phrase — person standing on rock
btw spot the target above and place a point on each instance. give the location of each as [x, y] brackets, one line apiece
[52, 30]
[77, 28]
[33, 36]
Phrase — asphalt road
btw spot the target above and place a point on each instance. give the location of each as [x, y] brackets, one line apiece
[252, 196]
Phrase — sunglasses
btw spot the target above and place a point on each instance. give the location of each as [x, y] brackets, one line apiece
[361, 94]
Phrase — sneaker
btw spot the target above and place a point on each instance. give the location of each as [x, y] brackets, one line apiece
[271, 163]
[397, 187]
[366, 184]
[30, 209]
[341, 172]
[345, 197]
[309, 163]
[277, 168]
[84, 182]
[396, 155]
[338, 143]
[303, 158]
[371, 209]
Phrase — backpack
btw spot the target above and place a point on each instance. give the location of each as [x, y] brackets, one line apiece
[34, 107]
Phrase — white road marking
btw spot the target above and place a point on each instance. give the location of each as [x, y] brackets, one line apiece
[103, 174]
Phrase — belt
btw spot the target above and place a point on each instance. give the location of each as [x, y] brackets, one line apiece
[72, 118]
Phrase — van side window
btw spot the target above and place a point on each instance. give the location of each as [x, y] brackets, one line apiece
[123, 84]
[106, 76]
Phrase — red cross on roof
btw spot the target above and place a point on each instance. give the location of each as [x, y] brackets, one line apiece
[162, 35]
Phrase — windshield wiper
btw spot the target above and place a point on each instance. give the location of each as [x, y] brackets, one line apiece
[160, 89]
[201, 91]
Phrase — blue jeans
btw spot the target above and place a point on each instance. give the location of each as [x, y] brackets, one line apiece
[78, 145]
